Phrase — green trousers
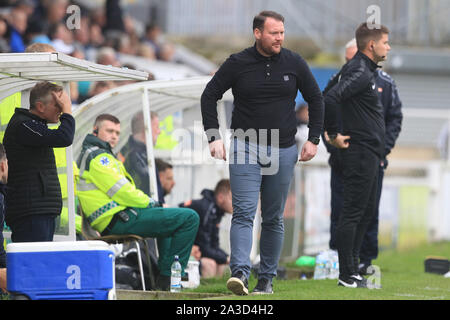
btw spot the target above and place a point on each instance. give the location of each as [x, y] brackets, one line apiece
[174, 228]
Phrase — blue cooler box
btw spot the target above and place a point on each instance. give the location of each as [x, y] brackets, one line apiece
[61, 270]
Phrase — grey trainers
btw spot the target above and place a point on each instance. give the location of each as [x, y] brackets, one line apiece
[264, 286]
[238, 284]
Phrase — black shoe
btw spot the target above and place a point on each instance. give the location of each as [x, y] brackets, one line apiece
[354, 281]
[238, 284]
[162, 283]
[264, 286]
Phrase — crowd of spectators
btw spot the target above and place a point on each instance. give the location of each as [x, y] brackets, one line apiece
[102, 31]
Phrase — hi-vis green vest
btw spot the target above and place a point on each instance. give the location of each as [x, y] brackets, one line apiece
[104, 186]
[60, 157]
[165, 140]
[7, 107]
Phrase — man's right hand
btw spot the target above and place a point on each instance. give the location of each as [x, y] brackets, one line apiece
[339, 142]
[62, 100]
[217, 150]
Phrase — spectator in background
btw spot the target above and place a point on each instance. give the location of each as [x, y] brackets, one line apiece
[98, 87]
[107, 56]
[48, 13]
[153, 37]
[95, 35]
[81, 36]
[165, 172]
[4, 44]
[134, 153]
[35, 33]
[56, 11]
[27, 6]
[211, 208]
[62, 38]
[18, 26]
[114, 17]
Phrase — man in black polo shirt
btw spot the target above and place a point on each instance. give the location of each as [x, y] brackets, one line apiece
[361, 145]
[265, 80]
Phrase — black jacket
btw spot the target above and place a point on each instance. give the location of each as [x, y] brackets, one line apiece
[136, 163]
[33, 185]
[355, 95]
[392, 110]
[208, 231]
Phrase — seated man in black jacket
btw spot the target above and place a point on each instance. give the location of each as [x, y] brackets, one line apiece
[134, 153]
[34, 198]
[211, 209]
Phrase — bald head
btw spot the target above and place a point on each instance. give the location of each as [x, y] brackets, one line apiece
[350, 49]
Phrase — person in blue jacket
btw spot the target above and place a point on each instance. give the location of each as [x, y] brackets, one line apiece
[211, 209]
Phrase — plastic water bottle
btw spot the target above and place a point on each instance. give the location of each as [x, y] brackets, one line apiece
[175, 277]
[334, 272]
[319, 270]
[328, 263]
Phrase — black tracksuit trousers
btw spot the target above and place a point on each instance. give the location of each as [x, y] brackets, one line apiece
[360, 175]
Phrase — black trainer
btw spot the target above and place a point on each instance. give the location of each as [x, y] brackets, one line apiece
[238, 284]
[162, 283]
[354, 281]
[264, 286]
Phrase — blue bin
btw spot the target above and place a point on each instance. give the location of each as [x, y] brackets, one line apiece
[75, 270]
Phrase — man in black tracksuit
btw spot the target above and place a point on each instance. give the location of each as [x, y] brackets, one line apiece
[389, 98]
[34, 193]
[361, 145]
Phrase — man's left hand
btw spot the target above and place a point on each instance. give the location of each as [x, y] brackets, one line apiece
[309, 150]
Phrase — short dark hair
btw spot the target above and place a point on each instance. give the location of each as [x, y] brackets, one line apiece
[223, 186]
[364, 34]
[162, 165]
[2, 152]
[260, 19]
[137, 122]
[41, 92]
[105, 117]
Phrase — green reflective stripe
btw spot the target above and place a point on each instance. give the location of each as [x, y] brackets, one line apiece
[82, 185]
[85, 156]
[97, 213]
[3, 126]
[116, 187]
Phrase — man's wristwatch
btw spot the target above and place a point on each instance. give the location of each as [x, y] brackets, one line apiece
[314, 140]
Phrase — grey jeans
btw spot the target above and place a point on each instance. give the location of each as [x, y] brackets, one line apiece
[251, 177]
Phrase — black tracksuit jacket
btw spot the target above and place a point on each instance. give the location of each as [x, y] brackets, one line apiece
[355, 95]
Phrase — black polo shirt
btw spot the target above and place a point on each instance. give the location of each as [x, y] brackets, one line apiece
[264, 90]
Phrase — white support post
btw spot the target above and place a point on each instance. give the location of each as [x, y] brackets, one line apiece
[70, 184]
[149, 143]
